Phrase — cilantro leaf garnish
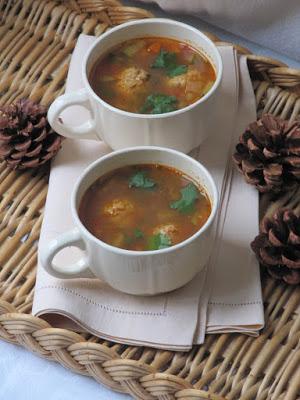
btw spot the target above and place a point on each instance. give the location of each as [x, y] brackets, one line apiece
[186, 204]
[168, 61]
[164, 59]
[128, 239]
[159, 241]
[178, 70]
[139, 180]
[138, 234]
[159, 104]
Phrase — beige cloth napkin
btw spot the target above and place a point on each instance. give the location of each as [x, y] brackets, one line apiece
[236, 290]
[227, 298]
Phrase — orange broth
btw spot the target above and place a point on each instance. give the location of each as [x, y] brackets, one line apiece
[152, 75]
[144, 207]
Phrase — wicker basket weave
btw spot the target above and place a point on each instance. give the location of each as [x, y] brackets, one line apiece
[36, 41]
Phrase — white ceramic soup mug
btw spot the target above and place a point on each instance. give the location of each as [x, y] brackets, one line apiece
[183, 129]
[135, 272]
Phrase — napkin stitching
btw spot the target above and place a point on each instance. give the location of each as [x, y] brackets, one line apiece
[105, 307]
[248, 303]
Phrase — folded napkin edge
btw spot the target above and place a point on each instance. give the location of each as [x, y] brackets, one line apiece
[47, 313]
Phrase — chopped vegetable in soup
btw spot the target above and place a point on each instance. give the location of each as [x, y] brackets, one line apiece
[152, 75]
[144, 207]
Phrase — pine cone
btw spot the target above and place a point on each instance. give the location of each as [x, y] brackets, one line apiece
[277, 247]
[268, 154]
[26, 138]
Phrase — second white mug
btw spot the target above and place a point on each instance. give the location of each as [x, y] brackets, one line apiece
[135, 272]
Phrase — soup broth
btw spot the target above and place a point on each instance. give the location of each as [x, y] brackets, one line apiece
[152, 75]
[144, 207]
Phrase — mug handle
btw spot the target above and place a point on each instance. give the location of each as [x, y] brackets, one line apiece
[78, 98]
[78, 269]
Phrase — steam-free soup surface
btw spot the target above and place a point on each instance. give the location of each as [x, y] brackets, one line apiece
[144, 207]
[152, 75]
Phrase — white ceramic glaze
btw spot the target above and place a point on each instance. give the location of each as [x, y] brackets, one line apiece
[135, 272]
[182, 129]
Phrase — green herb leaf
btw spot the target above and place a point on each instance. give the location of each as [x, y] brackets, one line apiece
[133, 48]
[138, 233]
[116, 58]
[168, 61]
[159, 241]
[164, 59]
[128, 239]
[186, 204]
[178, 70]
[159, 104]
[139, 180]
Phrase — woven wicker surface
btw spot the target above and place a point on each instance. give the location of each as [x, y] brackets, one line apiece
[36, 41]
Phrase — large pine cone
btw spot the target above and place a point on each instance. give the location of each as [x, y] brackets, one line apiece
[277, 247]
[26, 138]
[268, 154]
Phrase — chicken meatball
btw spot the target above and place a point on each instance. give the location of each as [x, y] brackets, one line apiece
[132, 78]
[191, 82]
[118, 207]
[119, 211]
[178, 81]
[170, 230]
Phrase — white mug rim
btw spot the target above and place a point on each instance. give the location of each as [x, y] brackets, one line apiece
[120, 251]
[150, 21]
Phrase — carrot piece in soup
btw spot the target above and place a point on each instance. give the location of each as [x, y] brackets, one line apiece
[154, 48]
